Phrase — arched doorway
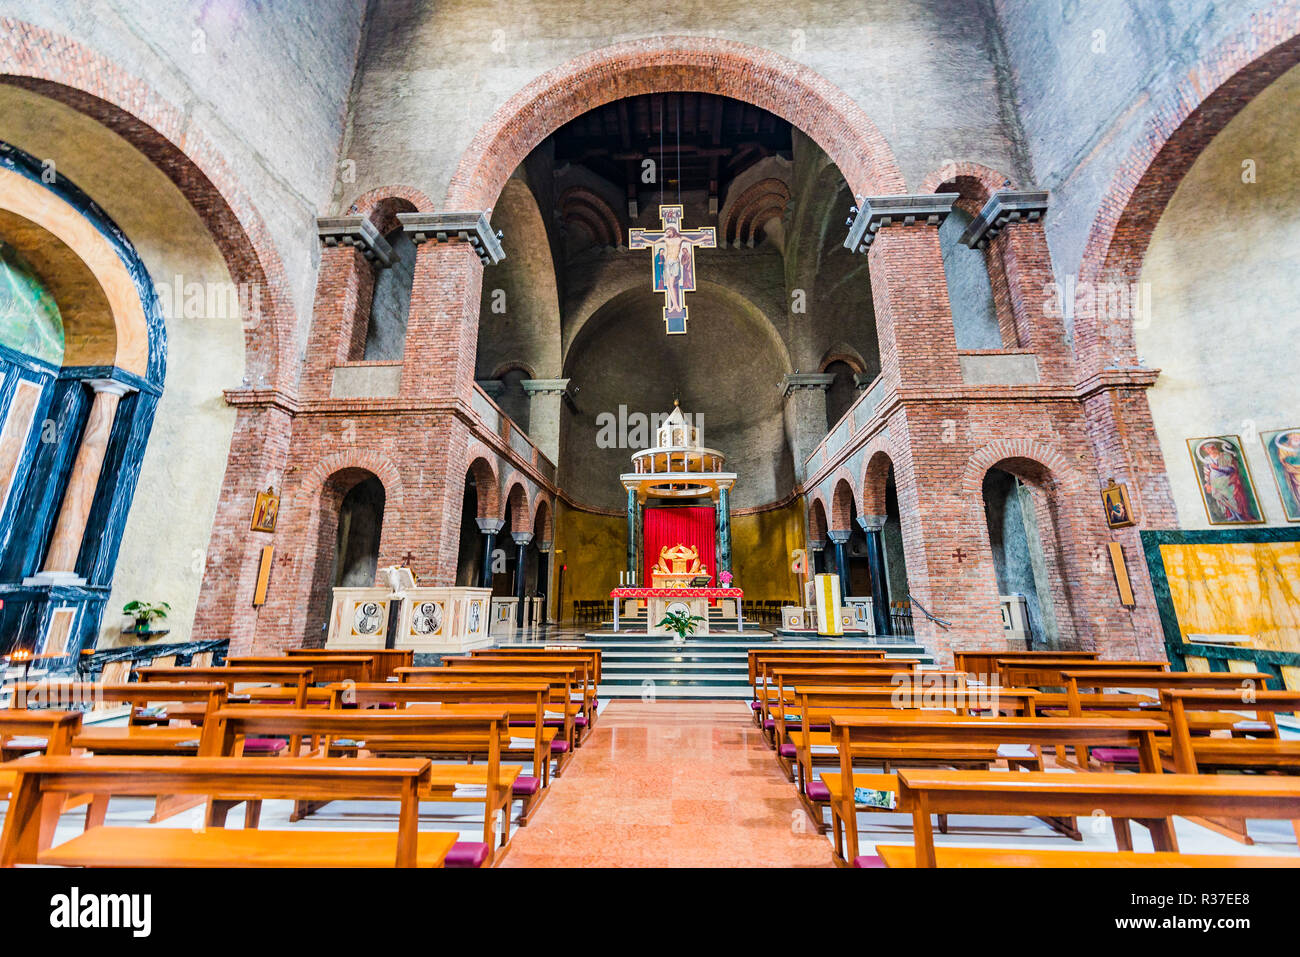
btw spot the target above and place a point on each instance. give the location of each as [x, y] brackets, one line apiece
[348, 539]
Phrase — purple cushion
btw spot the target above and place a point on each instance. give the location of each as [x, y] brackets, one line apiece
[580, 721]
[756, 705]
[817, 791]
[559, 747]
[466, 854]
[1116, 755]
[264, 745]
[788, 750]
[525, 785]
[864, 860]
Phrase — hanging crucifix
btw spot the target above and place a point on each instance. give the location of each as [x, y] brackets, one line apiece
[673, 248]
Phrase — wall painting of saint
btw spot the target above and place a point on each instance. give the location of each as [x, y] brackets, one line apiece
[1224, 477]
[1283, 451]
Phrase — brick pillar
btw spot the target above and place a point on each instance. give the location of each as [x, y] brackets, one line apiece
[345, 287]
[909, 291]
[259, 450]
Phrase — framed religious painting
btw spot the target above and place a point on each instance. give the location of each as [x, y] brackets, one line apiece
[1227, 490]
[1282, 449]
[1114, 500]
[265, 511]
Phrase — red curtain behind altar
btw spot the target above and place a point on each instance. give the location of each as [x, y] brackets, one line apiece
[692, 526]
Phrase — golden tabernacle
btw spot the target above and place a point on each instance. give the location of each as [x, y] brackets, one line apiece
[677, 567]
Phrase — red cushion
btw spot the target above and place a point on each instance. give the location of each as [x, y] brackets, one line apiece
[817, 791]
[264, 745]
[466, 854]
[525, 785]
[788, 750]
[1116, 755]
[868, 860]
[559, 747]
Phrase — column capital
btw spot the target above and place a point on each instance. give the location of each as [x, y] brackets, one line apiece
[1003, 208]
[816, 544]
[493, 387]
[471, 226]
[797, 381]
[489, 526]
[356, 231]
[839, 535]
[872, 523]
[109, 386]
[875, 212]
[545, 386]
[545, 547]
[522, 538]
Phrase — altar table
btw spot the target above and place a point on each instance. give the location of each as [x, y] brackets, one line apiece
[668, 594]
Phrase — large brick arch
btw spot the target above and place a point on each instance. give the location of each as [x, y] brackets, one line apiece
[516, 499]
[974, 181]
[1178, 127]
[818, 518]
[487, 483]
[875, 477]
[63, 70]
[844, 501]
[669, 64]
[543, 516]
[360, 460]
[1018, 449]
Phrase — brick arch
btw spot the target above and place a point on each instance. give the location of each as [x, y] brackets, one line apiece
[363, 460]
[59, 68]
[818, 518]
[544, 511]
[1022, 450]
[844, 500]
[974, 182]
[511, 365]
[875, 476]
[516, 499]
[1178, 128]
[843, 353]
[669, 64]
[382, 205]
[487, 483]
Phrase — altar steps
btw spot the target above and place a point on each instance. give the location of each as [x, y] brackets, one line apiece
[705, 667]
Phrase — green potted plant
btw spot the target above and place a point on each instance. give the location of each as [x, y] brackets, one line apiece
[145, 612]
[680, 623]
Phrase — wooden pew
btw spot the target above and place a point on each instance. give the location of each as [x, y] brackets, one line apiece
[759, 655]
[813, 709]
[854, 734]
[984, 664]
[586, 679]
[50, 732]
[402, 780]
[480, 730]
[141, 734]
[1191, 754]
[386, 660]
[326, 669]
[562, 679]
[767, 671]
[546, 651]
[790, 677]
[1045, 673]
[298, 677]
[524, 702]
[1152, 797]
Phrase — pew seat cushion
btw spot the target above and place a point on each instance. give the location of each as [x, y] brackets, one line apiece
[1116, 755]
[527, 785]
[559, 747]
[818, 791]
[756, 706]
[264, 745]
[467, 854]
[905, 856]
[788, 751]
[869, 860]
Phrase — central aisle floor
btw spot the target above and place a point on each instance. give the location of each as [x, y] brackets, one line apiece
[671, 784]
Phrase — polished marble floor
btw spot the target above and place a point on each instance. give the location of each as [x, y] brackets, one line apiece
[671, 784]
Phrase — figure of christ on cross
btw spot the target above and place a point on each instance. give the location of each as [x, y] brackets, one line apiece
[673, 248]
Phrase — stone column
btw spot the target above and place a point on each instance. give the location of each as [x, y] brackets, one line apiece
[873, 526]
[521, 545]
[545, 398]
[805, 414]
[632, 514]
[841, 538]
[65, 545]
[544, 578]
[724, 533]
[489, 527]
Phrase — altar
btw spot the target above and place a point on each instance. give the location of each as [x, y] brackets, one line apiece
[694, 601]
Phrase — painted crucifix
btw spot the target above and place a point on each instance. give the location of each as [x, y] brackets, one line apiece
[673, 249]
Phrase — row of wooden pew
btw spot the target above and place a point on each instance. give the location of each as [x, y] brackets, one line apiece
[856, 732]
[310, 726]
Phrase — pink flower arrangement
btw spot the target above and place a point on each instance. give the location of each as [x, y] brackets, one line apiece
[725, 578]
